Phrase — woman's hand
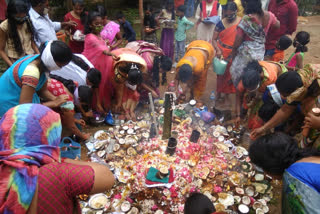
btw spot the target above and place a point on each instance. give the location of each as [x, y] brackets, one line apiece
[88, 114]
[237, 121]
[312, 121]
[154, 94]
[81, 122]
[218, 53]
[257, 133]
[85, 136]
[115, 57]
[60, 100]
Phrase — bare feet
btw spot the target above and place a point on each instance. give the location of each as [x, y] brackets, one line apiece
[133, 116]
[128, 116]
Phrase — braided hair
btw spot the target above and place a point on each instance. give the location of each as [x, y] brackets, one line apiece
[278, 151]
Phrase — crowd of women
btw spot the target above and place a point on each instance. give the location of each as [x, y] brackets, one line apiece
[95, 72]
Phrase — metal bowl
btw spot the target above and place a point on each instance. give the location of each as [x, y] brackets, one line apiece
[96, 121]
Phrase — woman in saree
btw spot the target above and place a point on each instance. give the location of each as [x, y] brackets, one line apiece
[193, 68]
[223, 39]
[255, 79]
[98, 53]
[157, 63]
[299, 88]
[279, 155]
[250, 39]
[34, 179]
[26, 82]
[120, 85]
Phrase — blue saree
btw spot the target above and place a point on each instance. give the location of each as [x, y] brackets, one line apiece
[11, 89]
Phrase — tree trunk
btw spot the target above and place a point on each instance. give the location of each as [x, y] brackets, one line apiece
[69, 5]
[141, 17]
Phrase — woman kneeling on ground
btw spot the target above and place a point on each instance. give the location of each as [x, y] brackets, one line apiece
[298, 87]
[279, 155]
[31, 169]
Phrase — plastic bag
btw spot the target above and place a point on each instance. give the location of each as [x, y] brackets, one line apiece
[109, 119]
[205, 115]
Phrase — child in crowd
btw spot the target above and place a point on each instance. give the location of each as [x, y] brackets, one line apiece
[198, 203]
[283, 44]
[75, 33]
[129, 34]
[296, 59]
[180, 35]
[167, 19]
[81, 96]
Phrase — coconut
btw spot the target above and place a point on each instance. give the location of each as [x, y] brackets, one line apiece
[226, 199]
[240, 191]
[130, 131]
[265, 209]
[116, 147]
[101, 153]
[134, 210]
[246, 200]
[98, 201]
[237, 199]
[259, 177]
[243, 208]
[250, 191]
[259, 211]
[257, 205]
[216, 134]
[220, 138]
[122, 141]
[125, 206]
[131, 151]
[193, 102]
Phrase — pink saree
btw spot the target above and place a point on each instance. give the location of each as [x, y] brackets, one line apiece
[93, 50]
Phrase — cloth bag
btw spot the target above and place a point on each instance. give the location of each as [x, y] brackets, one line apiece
[69, 148]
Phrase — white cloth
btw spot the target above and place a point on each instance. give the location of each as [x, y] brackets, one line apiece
[47, 58]
[73, 72]
[275, 94]
[205, 31]
[45, 29]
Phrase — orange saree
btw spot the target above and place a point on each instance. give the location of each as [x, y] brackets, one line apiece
[225, 43]
[200, 70]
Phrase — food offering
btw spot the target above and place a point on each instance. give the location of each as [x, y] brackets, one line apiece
[152, 180]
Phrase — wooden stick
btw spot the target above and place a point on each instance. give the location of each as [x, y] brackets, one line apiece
[153, 113]
[167, 117]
